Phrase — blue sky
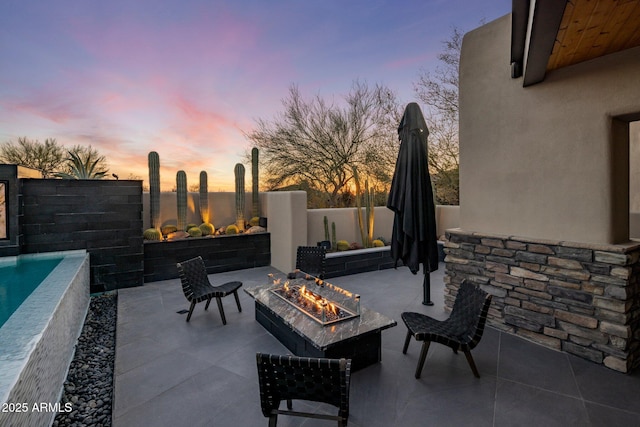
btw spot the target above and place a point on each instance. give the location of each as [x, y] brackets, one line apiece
[188, 78]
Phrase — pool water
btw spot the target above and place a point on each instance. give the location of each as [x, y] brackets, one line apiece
[18, 280]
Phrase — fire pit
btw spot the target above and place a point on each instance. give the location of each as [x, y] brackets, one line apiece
[314, 318]
[321, 301]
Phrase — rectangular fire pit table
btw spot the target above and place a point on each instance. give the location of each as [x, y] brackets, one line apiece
[357, 337]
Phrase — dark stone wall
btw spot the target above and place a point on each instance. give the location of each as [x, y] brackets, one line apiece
[220, 253]
[102, 216]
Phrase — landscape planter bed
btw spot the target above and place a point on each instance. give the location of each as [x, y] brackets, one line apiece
[220, 254]
[358, 261]
[363, 260]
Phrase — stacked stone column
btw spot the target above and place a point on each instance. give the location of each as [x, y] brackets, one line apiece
[580, 298]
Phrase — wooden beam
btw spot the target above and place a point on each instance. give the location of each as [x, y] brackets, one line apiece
[547, 17]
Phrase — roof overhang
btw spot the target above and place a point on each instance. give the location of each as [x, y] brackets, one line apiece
[550, 34]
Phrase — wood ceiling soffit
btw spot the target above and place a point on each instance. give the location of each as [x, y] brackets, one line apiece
[590, 29]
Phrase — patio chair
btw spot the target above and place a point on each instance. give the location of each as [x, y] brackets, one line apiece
[461, 331]
[303, 378]
[311, 260]
[197, 288]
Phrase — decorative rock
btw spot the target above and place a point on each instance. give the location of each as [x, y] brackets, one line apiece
[89, 385]
[256, 229]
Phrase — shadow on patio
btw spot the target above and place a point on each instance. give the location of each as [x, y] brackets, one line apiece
[172, 373]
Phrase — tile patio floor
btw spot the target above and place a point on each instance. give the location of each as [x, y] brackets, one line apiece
[172, 373]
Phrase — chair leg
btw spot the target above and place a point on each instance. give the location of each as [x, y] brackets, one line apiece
[193, 305]
[406, 342]
[219, 301]
[235, 294]
[472, 364]
[273, 420]
[289, 404]
[423, 356]
[206, 307]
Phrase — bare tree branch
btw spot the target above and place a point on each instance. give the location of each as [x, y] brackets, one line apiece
[439, 92]
[317, 143]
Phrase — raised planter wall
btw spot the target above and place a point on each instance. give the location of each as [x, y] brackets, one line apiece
[220, 254]
[580, 298]
[358, 261]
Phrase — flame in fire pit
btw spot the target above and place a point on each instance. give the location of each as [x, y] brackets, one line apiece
[312, 303]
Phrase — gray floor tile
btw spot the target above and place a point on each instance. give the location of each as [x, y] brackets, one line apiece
[202, 373]
[523, 405]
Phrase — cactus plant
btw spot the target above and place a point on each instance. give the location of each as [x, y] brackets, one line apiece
[369, 201]
[333, 234]
[154, 189]
[366, 229]
[231, 229]
[152, 234]
[255, 194]
[342, 245]
[181, 186]
[204, 198]
[326, 229]
[195, 232]
[254, 221]
[207, 229]
[239, 173]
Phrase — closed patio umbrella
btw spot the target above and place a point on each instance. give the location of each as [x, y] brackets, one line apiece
[414, 239]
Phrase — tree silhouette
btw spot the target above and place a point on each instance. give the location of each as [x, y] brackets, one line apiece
[318, 143]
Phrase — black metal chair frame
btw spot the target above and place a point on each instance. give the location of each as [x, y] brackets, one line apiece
[197, 287]
[311, 260]
[461, 331]
[303, 378]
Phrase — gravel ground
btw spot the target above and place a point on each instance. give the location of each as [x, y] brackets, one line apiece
[89, 384]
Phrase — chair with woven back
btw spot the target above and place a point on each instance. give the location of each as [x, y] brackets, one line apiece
[303, 378]
[461, 331]
[197, 288]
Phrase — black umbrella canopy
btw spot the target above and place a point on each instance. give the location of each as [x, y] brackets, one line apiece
[414, 239]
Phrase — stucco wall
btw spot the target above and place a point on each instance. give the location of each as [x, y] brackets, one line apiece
[347, 228]
[546, 161]
[222, 208]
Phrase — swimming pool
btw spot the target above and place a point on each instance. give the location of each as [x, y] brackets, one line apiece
[38, 339]
[18, 278]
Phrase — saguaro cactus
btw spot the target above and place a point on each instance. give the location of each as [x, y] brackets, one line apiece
[333, 235]
[181, 186]
[204, 198]
[255, 195]
[154, 189]
[239, 173]
[366, 229]
[326, 228]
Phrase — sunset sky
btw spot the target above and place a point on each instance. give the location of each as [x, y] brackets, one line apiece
[189, 78]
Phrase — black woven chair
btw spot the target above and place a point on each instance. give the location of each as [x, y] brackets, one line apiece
[311, 260]
[303, 378]
[197, 288]
[461, 331]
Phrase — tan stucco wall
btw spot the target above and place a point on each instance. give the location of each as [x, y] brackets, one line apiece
[347, 228]
[546, 161]
[287, 222]
[222, 208]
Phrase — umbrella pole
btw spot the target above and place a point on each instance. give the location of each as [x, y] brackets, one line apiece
[426, 285]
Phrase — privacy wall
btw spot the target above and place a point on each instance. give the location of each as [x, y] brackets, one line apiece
[103, 217]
